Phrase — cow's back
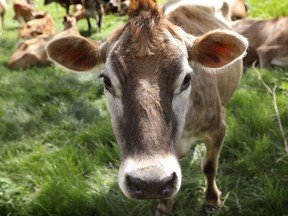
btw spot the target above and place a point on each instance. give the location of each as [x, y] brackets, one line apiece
[197, 19]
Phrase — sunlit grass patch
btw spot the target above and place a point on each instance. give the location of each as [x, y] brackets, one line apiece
[267, 9]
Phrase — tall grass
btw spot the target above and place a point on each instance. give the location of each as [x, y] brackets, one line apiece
[58, 154]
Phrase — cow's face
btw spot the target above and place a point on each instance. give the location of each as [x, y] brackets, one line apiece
[148, 96]
[148, 83]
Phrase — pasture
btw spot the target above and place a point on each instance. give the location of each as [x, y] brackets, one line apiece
[58, 154]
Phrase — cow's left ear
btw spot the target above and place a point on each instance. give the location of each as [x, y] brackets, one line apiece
[218, 48]
[76, 52]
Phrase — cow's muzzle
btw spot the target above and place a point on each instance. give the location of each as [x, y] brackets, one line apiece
[156, 179]
[152, 188]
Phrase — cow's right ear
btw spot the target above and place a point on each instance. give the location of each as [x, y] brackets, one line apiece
[76, 52]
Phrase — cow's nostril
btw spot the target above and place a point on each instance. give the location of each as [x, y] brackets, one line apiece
[134, 185]
[169, 185]
[167, 191]
[136, 191]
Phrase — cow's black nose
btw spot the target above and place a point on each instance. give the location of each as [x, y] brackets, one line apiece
[150, 188]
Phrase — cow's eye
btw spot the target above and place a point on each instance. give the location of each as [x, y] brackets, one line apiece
[107, 82]
[186, 82]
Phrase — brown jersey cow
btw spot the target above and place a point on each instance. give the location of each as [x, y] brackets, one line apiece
[166, 88]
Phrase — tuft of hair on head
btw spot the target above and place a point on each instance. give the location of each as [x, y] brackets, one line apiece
[145, 26]
[136, 7]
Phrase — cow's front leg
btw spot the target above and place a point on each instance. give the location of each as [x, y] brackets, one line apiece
[209, 167]
[165, 207]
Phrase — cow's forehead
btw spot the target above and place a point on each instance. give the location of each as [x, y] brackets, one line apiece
[162, 66]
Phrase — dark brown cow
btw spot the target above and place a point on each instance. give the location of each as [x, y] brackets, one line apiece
[43, 23]
[268, 40]
[64, 3]
[23, 11]
[166, 88]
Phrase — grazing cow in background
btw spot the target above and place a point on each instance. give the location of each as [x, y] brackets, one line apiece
[30, 52]
[91, 8]
[64, 3]
[3, 8]
[41, 24]
[94, 9]
[268, 40]
[166, 89]
[23, 12]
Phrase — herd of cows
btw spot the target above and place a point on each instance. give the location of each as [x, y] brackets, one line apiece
[268, 38]
[38, 27]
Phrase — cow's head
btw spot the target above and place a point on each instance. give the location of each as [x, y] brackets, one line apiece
[147, 83]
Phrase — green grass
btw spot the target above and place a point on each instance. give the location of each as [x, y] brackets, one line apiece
[58, 154]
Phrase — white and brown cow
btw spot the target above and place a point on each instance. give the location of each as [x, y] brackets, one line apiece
[268, 40]
[166, 88]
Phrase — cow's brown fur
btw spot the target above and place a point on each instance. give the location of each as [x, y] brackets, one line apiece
[147, 57]
[268, 40]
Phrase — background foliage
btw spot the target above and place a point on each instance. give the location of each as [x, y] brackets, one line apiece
[58, 154]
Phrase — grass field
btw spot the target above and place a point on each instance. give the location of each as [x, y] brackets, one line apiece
[58, 154]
